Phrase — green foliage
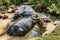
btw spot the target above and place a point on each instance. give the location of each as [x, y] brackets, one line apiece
[1, 2]
[17, 2]
[5, 2]
[53, 7]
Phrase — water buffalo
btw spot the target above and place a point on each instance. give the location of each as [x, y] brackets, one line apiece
[21, 27]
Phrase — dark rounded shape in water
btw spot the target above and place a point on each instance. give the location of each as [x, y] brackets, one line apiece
[5, 16]
[47, 21]
[13, 11]
[0, 16]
